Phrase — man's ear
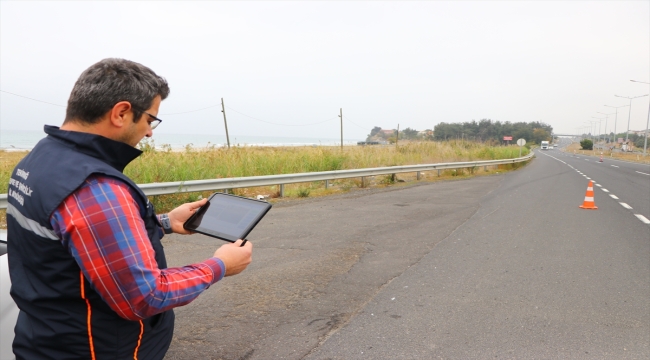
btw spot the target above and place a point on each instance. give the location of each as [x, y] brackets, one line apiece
[120, 113]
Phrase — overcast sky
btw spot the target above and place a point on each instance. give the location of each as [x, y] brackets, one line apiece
[297, 63]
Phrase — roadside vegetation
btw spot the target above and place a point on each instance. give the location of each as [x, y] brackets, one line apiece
[162, 164]
[628, 156]
[485, 131]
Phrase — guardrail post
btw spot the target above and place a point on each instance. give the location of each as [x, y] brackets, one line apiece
[281, 190]
[485, 168]
[417, 175]
[438, 172]
[327, 184]
[363, 181]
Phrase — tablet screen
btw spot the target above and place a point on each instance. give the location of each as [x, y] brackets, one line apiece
[227, 217]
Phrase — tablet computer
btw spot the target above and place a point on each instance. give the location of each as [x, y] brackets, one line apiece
[227, 217]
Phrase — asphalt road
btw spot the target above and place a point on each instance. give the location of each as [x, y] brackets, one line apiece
[629, 182]
[504, 266]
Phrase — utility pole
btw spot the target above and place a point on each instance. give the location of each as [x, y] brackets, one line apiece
[223, 110]
[397, 137]
[341, 116]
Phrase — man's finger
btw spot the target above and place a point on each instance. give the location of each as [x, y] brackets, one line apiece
[197, 204]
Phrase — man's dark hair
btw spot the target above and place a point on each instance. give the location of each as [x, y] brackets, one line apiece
[110, 81]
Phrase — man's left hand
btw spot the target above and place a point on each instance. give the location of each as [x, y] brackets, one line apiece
[178, 216]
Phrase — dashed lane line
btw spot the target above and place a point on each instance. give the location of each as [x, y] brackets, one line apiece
[642, 218]
[638, 216]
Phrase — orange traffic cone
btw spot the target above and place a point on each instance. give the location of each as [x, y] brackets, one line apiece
[589, 198]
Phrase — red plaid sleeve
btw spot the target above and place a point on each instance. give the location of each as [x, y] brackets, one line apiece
[101, 227]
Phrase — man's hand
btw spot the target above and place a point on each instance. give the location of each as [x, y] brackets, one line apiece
[235, 257]
[178, 216]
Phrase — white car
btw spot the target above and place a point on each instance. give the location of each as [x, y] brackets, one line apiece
[8, 309]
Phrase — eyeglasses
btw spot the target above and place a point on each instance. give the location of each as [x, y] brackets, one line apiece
[154, 124]
[156, 121]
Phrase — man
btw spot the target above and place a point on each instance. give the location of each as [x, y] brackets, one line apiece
[87, 267]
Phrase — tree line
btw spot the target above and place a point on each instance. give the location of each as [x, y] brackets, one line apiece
[484, 130]
[487, 130]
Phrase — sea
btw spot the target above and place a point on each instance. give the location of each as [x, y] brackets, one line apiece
[16, 140]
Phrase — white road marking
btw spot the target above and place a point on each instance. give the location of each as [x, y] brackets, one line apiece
[639, 216]
[642, 218]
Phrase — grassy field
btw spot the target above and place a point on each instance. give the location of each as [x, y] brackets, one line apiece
[163, 165]
[629, 156]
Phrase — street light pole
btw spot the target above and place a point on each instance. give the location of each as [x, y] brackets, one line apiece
[645, 141]
[629, 112]
[592, 124]
[616, 118]
[599, 123]
[606, 118]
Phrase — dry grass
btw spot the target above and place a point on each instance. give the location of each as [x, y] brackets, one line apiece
[191, 164]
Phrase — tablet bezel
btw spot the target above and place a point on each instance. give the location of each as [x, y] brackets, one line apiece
[224, 236]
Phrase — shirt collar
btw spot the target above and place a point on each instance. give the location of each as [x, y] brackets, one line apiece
[116, 154]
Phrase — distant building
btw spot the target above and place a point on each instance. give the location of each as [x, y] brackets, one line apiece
[637, 132]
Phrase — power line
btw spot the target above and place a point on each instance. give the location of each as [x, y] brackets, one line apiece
[272, 123]
[49, 103]
[347, 118]
[191, 111]
[45, 102]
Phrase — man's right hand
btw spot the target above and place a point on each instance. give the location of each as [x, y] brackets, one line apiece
[235, 257]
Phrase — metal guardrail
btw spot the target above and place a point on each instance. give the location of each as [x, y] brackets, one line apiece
[268, 180]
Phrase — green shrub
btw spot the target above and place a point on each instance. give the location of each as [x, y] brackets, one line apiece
[587, 144]
[303, 192]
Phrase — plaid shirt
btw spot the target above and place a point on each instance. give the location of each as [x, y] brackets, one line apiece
[100, 226]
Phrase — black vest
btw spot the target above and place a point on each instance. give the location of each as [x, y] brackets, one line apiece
[54, 299]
